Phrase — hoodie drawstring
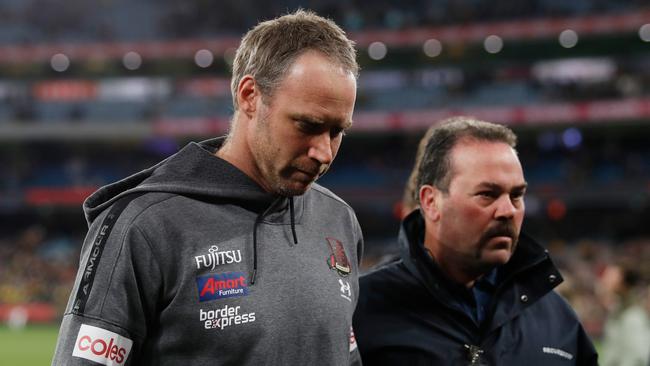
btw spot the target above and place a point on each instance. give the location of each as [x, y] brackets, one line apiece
[259, 219]
[293, 221]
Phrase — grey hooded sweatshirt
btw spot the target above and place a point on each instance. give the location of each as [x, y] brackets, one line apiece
[203, 267]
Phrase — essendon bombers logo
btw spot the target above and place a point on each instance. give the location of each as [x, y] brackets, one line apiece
[338, 260]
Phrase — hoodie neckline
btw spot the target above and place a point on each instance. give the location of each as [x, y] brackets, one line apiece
[195, 171]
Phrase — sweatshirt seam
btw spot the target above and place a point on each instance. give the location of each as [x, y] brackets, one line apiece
[153, 253]
[110, 322]
[122, 242]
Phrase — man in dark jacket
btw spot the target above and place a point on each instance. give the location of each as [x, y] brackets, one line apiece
[469, 289]
[228, 252]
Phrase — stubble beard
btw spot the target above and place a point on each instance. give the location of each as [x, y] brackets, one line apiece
[265, 153]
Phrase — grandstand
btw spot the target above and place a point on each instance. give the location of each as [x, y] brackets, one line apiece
[92, 94]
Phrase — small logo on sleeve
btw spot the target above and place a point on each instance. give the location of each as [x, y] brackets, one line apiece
[221, 285]
[557, 352]
[102, 346]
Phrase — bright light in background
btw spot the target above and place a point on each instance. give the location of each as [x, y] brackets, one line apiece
[203, 58]
[377, 50]
[229, 55]
[432, 47]
[644, 33]
[132, 60]
[493, 44]
[568, 38]
[580, 70]
[60, 62]
[572, 138]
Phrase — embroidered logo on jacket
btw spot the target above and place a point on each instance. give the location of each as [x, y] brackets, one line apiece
[346, 291]
[338, 260]
[557, 352]
[215, 257]
[101, 345]
[221, 285]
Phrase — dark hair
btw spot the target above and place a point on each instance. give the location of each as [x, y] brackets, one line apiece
[434, 165]
[269, 49]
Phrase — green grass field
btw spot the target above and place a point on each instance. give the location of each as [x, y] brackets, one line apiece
[32, 346]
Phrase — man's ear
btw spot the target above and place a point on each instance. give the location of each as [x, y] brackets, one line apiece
[430, 202]
[247, 95]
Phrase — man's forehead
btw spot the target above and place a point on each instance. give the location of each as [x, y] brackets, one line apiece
[485, 161]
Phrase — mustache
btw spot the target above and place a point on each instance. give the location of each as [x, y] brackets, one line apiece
[502, 228]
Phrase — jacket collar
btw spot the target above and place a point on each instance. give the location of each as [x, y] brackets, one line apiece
[529, 275]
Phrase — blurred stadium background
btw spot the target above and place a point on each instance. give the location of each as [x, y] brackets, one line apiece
[93, 91]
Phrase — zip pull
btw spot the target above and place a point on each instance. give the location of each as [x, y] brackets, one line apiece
[474, 354]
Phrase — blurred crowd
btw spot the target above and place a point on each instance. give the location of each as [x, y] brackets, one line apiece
[110, 20]
[37, 267]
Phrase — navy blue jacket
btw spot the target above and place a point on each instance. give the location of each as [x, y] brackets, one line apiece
[405, 314]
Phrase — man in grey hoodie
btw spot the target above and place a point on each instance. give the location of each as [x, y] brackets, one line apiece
[227, 252]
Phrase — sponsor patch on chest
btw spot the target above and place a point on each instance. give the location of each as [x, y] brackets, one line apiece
[227, 316]
[217, 257]
[221, 285]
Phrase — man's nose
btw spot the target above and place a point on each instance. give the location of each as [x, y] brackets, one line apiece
[505, 208]
[321, 149]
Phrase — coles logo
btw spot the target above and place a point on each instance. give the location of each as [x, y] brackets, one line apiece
[101, 346]
[221, 285]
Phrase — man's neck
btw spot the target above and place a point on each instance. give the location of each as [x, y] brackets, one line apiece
[235, 153]
[451, 268]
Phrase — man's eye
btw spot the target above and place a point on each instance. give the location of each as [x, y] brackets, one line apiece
[487, 194]
[517, 196]
[308, 127]
[336, 131]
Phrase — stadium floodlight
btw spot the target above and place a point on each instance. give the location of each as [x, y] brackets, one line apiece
[132, 60]
[60, 62]
[229, 55]
[493, 44]
[377, 50]
[568, 38]
[572, 138]
[203, 58]
[432, 47]
[644, 32]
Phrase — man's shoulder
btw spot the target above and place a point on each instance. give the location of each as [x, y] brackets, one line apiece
[554, 305]
[319, 191]
[389, 282]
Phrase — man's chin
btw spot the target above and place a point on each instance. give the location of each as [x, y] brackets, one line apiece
[294, 188]
[496, 257]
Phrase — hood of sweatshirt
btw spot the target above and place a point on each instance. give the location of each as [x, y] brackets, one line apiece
[194, 170]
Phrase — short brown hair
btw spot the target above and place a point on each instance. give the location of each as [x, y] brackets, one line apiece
[269, 49]
[434, 165]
